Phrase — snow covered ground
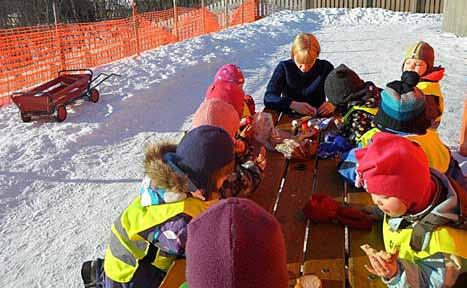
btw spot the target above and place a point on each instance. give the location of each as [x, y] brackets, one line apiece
[62, 184]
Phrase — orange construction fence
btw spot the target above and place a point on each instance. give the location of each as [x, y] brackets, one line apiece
[32, 55]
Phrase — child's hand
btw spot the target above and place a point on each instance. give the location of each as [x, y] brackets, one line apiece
[198, 194]
[240, 146]
[303, 108]
[326, 109]
[261, 159]
[382, 268]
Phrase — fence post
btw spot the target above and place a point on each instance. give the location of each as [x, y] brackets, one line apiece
[135, 25]
[463, 142]
[243, 12]
[203, 21]
[176, 20]
[367, 3]
[57, 36]
[226, 13]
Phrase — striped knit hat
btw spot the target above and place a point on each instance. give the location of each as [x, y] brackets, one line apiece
[421, 51]
[402, 106]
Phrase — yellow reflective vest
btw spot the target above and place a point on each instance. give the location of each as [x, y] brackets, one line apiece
[131, 231]
[434, 89]
[443, 239]
[437, 153]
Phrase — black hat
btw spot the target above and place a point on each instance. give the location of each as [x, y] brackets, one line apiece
[340, 83]
[204, 150]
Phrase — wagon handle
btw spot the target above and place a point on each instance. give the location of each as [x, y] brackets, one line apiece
[107, 76]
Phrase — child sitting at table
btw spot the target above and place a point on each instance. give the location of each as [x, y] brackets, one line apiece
[356, 101]
[250, 156]
[424, 225]
[402, 111]
[233, 74]
[152, 231]
[420, 58]
[244, 248]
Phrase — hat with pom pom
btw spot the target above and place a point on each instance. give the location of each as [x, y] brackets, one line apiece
[230, 73]
[402, 106]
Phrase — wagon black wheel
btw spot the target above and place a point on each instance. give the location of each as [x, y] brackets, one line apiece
[61, 113]
[25, 118]
[94, 95]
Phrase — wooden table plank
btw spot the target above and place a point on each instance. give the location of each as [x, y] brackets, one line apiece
[292, 198]
[266, 194]
[325, 247]
[358, 275]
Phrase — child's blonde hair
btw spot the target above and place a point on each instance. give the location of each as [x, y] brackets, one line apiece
[305, 48]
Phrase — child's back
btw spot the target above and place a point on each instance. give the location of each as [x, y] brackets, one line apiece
[151, 232]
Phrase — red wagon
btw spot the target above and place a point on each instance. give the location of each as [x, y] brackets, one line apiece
[52, 97]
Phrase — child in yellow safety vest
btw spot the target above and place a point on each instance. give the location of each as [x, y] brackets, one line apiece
[424, 225]
[152, 231]
[355, 100]
[402, 111]
[420, 58]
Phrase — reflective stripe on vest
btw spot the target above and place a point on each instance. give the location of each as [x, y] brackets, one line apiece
[366, 138]
[127, 244]
[444, 239]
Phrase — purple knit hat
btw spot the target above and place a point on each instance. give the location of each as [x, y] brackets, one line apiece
[236, 243]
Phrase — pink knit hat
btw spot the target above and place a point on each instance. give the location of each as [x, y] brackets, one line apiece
[230, 73]
[396, 167]
[216, 112]
[228, 92]
[235, 243]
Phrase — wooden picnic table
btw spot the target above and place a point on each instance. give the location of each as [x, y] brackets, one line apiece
[330, 251]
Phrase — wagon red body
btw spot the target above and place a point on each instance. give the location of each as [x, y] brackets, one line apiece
[53, 96]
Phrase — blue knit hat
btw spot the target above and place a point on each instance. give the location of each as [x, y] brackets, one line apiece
[202, 151]
[402, 106]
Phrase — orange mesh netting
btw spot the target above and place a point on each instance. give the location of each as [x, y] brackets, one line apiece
[32, 55]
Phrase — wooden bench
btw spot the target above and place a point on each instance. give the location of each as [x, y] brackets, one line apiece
[330, 251]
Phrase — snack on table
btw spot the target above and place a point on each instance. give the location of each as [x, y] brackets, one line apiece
[309, 281]
[291, 148]
[370, 251]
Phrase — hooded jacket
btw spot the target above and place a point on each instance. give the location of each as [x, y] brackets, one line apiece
[429, 85]
[158, 217]
[443, 255]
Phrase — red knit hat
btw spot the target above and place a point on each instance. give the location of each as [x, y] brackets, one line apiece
[216, 112]
[229, 92]
[230, 73]
[397, 167]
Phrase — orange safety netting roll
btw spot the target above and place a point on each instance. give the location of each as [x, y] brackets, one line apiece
[32, 55]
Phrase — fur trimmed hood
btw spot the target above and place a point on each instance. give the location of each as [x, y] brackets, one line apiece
[160, 174]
